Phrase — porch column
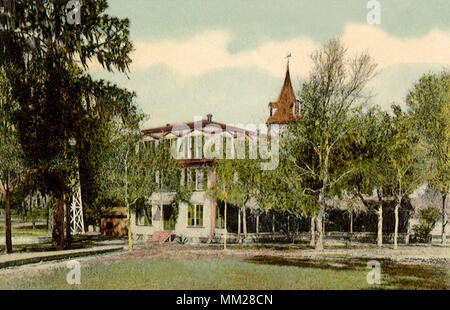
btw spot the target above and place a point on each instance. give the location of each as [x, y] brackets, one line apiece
[212, 227]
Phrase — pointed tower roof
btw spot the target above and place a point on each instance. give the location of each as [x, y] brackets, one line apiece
[284, 105]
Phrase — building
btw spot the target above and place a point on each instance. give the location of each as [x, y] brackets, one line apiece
[203, 218]
[113, 222]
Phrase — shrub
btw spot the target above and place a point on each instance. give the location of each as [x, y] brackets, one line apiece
[427, 219]
[181, 239]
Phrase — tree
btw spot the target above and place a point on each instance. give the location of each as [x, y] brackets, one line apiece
[405, 152]
[133, 169]
[236, 182]
[36, 37]
[11, 164]
[329, 97]
[370, 161]
[429, 105]
[288, 188]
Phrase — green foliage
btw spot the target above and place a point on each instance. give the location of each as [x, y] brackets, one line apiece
[181, 239]
[11, 153]
[40, 27]
[427, 220]
[405, 152]
[64, 114]
[368, 143]
[429, 107]
[237, 181]
[316, 152]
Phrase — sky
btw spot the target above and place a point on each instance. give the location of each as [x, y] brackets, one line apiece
[227, 57]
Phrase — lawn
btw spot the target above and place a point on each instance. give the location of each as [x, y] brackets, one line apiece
[20, 228]
[258, 272]
[78, 242]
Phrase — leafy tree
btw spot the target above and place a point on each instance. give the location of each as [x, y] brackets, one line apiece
[11, 164]
[371, 162]
[237, 182]
[330, 96]
[291, 186]
[134, 169]
[51, 88]
[429, 106]
[405, 152]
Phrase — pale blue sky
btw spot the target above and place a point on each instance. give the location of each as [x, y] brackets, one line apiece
[195, 57]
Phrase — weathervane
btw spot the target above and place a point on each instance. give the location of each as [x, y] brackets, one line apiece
[287, 57]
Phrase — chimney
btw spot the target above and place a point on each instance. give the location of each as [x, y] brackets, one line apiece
[209, 117]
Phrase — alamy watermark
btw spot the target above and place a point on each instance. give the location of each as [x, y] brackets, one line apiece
[374, 275]
[73, 12]
[74, 275]
[374, 15]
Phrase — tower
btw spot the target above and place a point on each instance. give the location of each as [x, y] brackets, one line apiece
[287, 108]
[76, 213]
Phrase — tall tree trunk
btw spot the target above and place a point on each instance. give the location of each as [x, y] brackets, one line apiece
[444, 219]
[244, 221]
[58, 223]
[319, 243]
[257, 224]
[273, 222]
[313, 231]
[239, 225]
[380, 225]
[68, 231]
[396, 223]
[351, 221]
[8, 241]
[127, 205]
[225, 226]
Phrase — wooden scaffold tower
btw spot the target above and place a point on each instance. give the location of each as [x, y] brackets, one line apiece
[76, 213]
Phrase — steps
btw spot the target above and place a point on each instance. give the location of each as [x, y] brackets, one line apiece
[161, 236]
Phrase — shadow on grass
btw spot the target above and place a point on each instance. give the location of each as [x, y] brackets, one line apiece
[78, 242]
[394, 275]
[293, 247]
[301, 262]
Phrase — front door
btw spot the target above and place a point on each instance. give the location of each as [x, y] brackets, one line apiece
[168, 217]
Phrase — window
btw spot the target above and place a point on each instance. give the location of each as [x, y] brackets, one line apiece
[144, 217]
[230, 147]
[198, 146]
[199, 179]
[187, 147]
[195, 215]
[220, 218]
[188, 179]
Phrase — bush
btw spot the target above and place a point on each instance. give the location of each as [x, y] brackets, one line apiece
[181, 239]
[427, 218]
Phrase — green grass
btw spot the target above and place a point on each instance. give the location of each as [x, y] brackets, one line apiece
[78, 242]
[39, 230]
[264, 273]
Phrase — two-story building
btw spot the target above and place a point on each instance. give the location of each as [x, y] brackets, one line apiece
[203, 218]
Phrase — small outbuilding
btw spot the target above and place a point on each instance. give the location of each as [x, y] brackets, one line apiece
[114, 222]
